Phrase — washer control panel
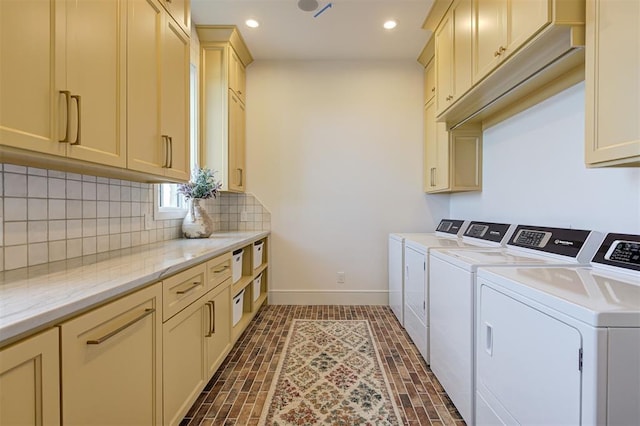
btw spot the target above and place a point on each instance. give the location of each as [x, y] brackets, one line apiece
[532, 238]
[450, 226]
[488, 231]
[560, 241]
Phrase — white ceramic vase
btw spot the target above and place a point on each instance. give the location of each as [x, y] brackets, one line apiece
[197, 223]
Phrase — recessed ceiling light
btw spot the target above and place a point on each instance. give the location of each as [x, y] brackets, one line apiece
[252, 23]
[308, 5]
[390, 24]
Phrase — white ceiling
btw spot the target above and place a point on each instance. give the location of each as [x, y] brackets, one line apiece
[349, 29]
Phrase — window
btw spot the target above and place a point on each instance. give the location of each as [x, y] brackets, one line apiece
[168, 203]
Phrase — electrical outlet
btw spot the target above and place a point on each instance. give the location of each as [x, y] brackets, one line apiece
[243, 216]
[341, 277]
[148, 221]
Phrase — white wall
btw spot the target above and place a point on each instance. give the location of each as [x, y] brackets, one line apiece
[334, 151]
[534, 173]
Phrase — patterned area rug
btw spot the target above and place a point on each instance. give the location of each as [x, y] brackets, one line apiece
[330, 373]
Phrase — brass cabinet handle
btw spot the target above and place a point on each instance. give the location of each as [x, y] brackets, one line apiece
[212, 318]
[109, 335]
[433, 90]
[170, 152]
[187, 290]
[67, 97]
[165, 140]
[240, 177]
[78, 99]
[499, 52]
[224, 268]
[496, 53]
[433, 176]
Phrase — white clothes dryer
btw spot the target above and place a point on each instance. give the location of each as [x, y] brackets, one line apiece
[447, 228]
[416, 273]
[561, 345]
[452, 281]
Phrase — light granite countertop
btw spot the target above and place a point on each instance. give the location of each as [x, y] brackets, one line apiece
[40, 296]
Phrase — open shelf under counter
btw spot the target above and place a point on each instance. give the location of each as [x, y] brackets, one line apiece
[241, 284]
[260, 269]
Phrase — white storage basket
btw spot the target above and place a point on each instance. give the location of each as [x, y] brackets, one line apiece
[236, 265]
[238, 302]
[256, 287]
[258, 249]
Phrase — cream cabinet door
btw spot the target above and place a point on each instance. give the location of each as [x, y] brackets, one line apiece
[30, 381]
[175, 100]
[96, 78]
[180, 10]
[444, 63]
[111, 362]
[146, 149]
[453, 54]
[524, 19]
[236, 144]
[218, 337]
[441, 174]
[489, 35]
[32, 60]
[429, 81]
[184, 359]
[461, 15]
[430, 159]
[237, 75]
[613, 83]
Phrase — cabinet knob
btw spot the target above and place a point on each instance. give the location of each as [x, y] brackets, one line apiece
[433, 90]
[496, 53]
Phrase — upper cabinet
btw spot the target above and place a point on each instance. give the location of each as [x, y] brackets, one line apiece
[452, 158]
[496, 57]
[64, 92]
[501, 27]
[158, 93]
[223, 59]
[613, 83]
[96, 81]
[100, 86]
[29, 99]
[453, 50]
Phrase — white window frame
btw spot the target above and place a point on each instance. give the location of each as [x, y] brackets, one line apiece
[165, 213]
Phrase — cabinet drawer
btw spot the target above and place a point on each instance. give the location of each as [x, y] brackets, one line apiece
[182, 289]
[218, 270]
[111, 361]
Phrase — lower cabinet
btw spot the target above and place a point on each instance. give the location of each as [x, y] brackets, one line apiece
[195, 341]
[111, 361]
[30, 381]
[142, 359]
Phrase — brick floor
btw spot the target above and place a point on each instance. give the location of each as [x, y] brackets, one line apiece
[235, 395]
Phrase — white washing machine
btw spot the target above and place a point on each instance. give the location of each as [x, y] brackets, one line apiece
[416, 273]
[561, 345]
[452, 286]
[447, 228]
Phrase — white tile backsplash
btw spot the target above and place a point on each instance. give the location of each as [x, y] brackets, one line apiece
[15, 209]
[37, 209]
[47, 215]
[15, 185]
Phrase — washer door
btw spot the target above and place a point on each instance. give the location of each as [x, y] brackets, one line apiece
[527, 361]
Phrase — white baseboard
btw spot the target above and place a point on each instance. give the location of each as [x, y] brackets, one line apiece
[328, 297]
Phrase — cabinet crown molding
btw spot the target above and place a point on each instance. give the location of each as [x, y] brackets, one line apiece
[227, 34]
